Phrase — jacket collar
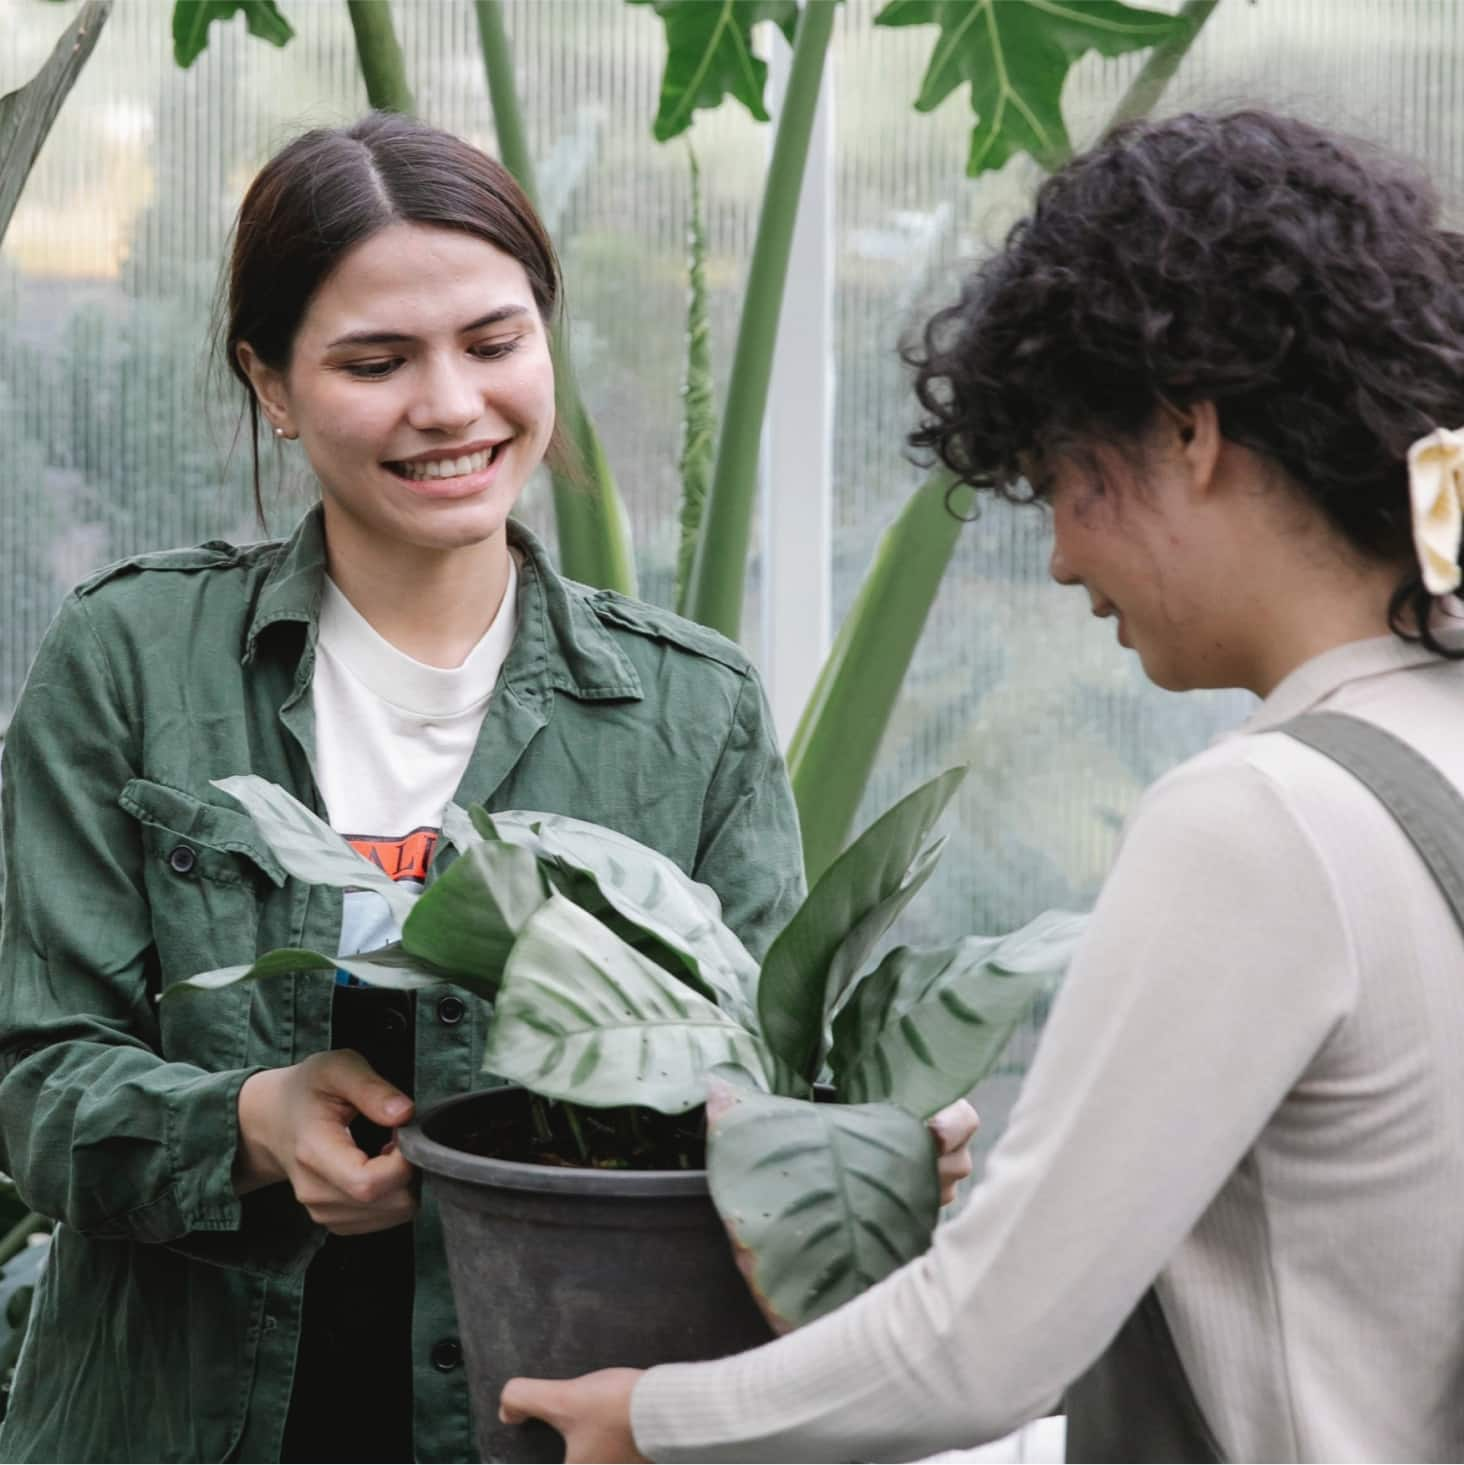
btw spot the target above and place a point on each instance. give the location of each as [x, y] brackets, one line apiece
[560, 645]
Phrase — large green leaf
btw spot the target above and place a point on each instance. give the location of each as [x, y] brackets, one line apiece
[709, 56]
[1015, 54]
[26, 114]
[846, 913]
[388, 966]
[467, 920]
[698, 394]
[826, 1199]
[308, 847]
[649, 891]
[839, 735]
[192, 18]
[584, 1017]
[926, 1026]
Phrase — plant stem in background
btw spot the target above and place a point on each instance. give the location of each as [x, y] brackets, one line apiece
[26, 114]
[1158, 71]
[380, 55]
[719, 569]
[838, 737]
[16, 1239]
[698, 395]
[594, 533]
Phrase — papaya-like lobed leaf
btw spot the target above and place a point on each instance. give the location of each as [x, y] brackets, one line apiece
[308, 847]
[825, 1199]
[926, 1026]
[709, 56]
[847, 911]
[1015, 55]
[582, 1016]
[192, 18]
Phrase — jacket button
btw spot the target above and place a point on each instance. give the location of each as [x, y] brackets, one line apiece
[451, 1011]
[182, 860]
[446, 1355]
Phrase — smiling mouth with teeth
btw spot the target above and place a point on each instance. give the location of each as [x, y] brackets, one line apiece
[447, 467]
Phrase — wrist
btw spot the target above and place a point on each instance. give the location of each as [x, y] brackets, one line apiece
[255, 1165]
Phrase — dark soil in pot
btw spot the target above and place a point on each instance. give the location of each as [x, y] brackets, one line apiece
[558, 1269]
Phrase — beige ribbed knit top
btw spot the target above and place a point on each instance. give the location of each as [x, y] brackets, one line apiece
[1252, 1084]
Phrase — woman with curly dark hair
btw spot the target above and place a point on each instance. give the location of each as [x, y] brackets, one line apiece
[1229, 353]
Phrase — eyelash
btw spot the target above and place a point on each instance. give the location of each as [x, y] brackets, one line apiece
[372, 371]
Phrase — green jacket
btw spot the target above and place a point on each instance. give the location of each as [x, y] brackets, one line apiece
[164, 1326]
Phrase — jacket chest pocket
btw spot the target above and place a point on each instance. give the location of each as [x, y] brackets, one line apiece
[208, 875]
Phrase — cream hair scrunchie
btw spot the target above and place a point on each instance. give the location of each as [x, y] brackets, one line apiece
[1436, 491]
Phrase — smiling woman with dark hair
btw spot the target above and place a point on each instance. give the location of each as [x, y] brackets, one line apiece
[233, 1275]
[1229, 353]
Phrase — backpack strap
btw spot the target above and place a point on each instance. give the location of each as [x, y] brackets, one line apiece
[1428, 807]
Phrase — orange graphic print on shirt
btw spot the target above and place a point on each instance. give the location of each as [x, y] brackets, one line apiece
[404, 858]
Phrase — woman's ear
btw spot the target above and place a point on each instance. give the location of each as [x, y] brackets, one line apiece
[269, 389]
[1201, 443]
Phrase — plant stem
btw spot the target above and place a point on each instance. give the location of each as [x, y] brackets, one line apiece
[839, 734]
[380, 55]
[719, 569]
[594, 532]
[572, 1117]
[1158, 71]
[14, 1241]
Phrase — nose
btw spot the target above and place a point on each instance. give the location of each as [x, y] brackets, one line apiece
[1057, 567]
[448, 399]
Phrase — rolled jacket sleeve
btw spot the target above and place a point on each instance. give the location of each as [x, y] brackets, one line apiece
[97, 1130]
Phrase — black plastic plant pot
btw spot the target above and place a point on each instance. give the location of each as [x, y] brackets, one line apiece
[558, 1271]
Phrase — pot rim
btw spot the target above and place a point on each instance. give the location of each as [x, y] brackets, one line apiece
[436, 1158]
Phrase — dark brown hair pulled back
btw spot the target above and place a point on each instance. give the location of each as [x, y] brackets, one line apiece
[1301, 282]
[330, 190]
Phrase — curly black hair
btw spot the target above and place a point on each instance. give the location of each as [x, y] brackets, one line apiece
[1300, 281]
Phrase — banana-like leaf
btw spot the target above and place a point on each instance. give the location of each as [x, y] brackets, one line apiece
[26, 114]
[698, 396]
[468, 919]
[192, 18]
[825, 1199]
[388, 966]
[1016, 55]
[308, 847]
[925, 1027]
[651, 893]
[839, 734]
[846, 913]
[709, 55]
[582, 1016]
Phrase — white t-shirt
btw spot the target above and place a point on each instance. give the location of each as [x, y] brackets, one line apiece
[393, 737]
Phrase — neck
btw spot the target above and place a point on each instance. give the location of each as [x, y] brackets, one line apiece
[1308, 619]
[432, 605]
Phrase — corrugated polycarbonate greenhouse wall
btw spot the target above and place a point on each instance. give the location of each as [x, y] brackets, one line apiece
[108, 446]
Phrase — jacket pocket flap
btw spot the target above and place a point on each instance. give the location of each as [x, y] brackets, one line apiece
[204, 826]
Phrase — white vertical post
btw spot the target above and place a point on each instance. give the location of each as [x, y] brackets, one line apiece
[797, 447]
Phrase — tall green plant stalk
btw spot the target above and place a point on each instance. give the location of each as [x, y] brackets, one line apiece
[380, 56]
[719, 568]
[837, 742]
[698, 395]
[1163, 61]
[839, 735]
[27, 113]
[594, 532]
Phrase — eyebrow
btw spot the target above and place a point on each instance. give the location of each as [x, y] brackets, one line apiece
[397, 338]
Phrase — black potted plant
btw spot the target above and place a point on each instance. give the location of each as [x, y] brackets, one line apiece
[584, 1205]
